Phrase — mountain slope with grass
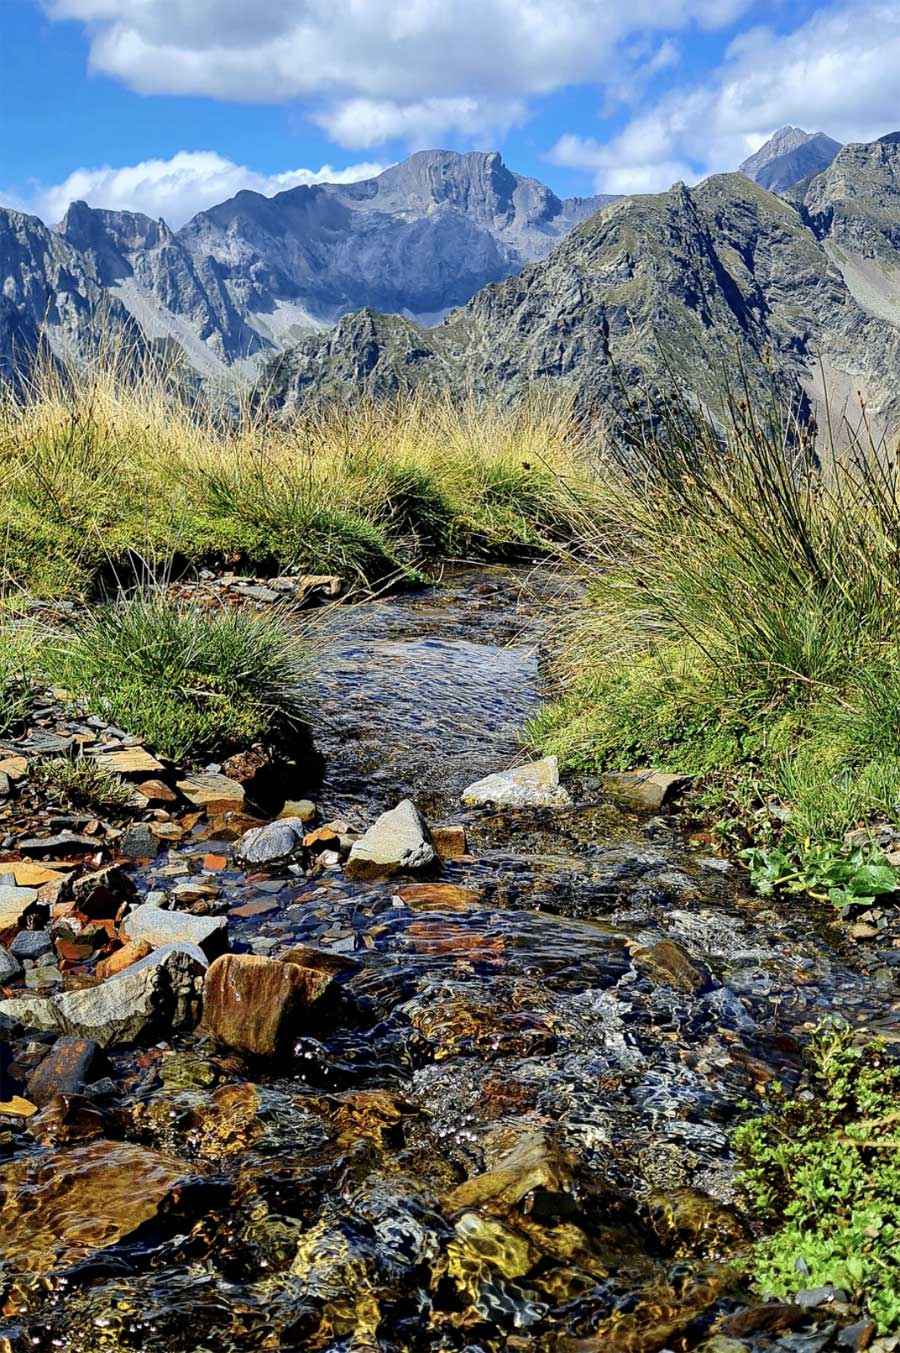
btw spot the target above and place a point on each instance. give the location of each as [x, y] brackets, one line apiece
[688, 284]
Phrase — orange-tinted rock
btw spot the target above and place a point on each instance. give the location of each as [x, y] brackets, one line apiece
[323, 838]
[65, 1070]
[450, 842]
[254, 908]
[123, 958]
[157, 791]
[440, 937]
[214, 863]
[59, 1208]
[439, 897]
[253, 1004]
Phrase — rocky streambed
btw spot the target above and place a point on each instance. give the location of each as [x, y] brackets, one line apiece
[484, 1103]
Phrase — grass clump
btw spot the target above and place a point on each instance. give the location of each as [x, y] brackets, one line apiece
[190, 681]
[81, 782]
[116, 458]
[19, 666]
[740, 624]
[822, 1171]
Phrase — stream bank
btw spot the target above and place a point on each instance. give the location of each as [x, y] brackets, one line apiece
[514, 1132]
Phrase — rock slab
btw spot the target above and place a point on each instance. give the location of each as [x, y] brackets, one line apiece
[643, 790]
[253, 1003]
[398, 843]
[154, 996]
[273, 845]
[533, 786]
[69, 1065]
[159, 927]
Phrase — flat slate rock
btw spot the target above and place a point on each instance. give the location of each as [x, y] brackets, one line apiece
[533, 786]
[128, 761]
[201, 790]
[64, 843]
[643, 790]
[159, 927]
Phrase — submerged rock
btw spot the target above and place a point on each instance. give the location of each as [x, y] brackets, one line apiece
[152, 997]
[399, 842]
[533, 786]
[272, 845]
[66, 1069]
[253, 1003]
[62, 1207]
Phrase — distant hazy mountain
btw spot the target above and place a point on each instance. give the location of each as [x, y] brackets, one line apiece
[249, 275]
[687, 281]
[789, 156]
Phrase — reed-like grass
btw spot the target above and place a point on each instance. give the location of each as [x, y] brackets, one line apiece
[113, 460]
[742, 620]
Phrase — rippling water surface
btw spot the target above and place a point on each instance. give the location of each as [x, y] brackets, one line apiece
[514, 1134]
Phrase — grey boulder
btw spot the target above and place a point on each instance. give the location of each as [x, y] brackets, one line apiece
[398, 843]
[150, 999]
[10, 967]
[159, 927]
[277, 843]
[533, 786]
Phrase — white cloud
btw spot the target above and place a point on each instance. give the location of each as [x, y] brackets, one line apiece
[425, 65]
[836, 73]
[177, 188]
[370, 122]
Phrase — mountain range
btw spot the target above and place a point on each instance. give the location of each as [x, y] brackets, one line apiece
[341, 289]
[240, 280]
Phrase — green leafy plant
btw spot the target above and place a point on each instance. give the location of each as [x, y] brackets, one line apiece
[823, 871]
[81, 782]
[822, 1170]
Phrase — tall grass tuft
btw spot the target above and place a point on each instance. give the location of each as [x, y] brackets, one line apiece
[192, 682]
[742, 618]
[116, 458]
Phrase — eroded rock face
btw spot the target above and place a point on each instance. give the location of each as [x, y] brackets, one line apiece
[58, 1209]
[66, 1069]
[399, 842]
[533, 786]
[152, 997]
[254, 1004]
[644, 790]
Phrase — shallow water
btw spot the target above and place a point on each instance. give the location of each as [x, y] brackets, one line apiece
[515, 1132]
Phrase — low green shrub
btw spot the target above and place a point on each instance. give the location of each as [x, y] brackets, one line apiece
[821, 1171]
[191, 681]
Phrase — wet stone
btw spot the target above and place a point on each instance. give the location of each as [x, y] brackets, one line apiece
[139, 843]
[10, 967]
[643, 790]
[66, 1069]
[271, 846]
[158, 927]
[667, 962]
[399, 842]
[533, 786]
[254, 1004]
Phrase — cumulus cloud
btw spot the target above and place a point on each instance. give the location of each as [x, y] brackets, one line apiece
[176, 189]
[419, 66]
[834, 73]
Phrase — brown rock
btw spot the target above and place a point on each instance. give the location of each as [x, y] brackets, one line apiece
[253, 1004]
[248, 909]
[29, 875]
[439, 897]
[323, 838]
[103, 892]
[157, 791]
[322, 960]
[535, 1169]
[129, 761]
[450, 842]
[667, 964]
[123, 958]
[59, 1208]
[644, 790]
[14, 767]
[204, 790]
[245, 767]
[65, 1070]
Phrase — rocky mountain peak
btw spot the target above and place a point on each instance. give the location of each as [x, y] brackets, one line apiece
[789, 156]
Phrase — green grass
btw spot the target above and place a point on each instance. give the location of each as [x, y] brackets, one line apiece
[190, 681]
[740, 624]
[821, 1172]
[114, 459]
[80, 782]
[19, 667]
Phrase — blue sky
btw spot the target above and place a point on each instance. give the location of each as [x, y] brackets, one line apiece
[167, 106]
